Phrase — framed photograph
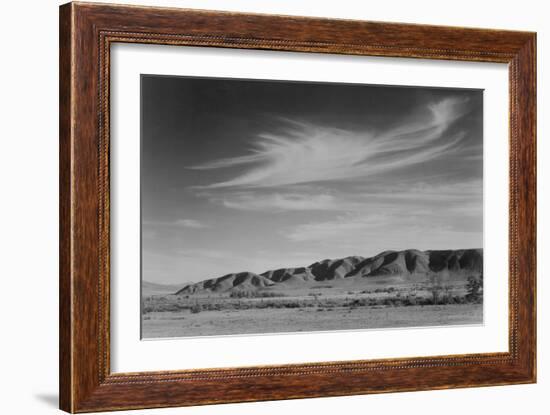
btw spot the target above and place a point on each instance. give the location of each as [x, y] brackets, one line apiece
[258, 207]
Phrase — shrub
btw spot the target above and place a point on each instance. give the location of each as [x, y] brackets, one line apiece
[383, 290]
[460, 299]
[255, 294]
[410, 300]
[475, 288]
[196, 308]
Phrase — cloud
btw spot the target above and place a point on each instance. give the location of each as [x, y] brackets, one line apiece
[355, 199]
[185, 223]
[190, 223]
[336, 229]
[211, 254]
[383, 214]
[280, 202]
[304, 153]
[452, 192]
[399, 229]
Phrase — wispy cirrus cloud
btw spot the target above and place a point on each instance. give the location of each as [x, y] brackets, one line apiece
[342, 226]
[450, 211]
[453, 194]
[190, 223]
[280, 202]
[395, 226]
[184, 223]
[304, 153]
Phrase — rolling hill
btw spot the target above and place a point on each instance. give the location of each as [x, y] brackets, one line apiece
[410, 263]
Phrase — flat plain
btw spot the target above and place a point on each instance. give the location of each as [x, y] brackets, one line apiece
[365, 304]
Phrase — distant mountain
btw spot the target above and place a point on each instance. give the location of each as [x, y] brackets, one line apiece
[153, 288]
[448, 264]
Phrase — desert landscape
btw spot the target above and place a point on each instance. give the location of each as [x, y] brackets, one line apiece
[393, 289]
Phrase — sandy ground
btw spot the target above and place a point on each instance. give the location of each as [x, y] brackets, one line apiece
[214, 323]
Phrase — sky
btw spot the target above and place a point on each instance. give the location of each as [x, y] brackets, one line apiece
[252, 175]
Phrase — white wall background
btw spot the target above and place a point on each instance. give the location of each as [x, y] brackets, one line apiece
[28, 212]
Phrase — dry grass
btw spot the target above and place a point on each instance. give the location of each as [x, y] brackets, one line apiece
[309, 309]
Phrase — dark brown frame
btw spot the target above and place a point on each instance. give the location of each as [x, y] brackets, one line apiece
[86, 33]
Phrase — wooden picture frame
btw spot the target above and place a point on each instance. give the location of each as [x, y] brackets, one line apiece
[86, 33]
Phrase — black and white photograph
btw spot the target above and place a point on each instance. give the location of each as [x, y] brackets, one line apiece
[272, 206]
